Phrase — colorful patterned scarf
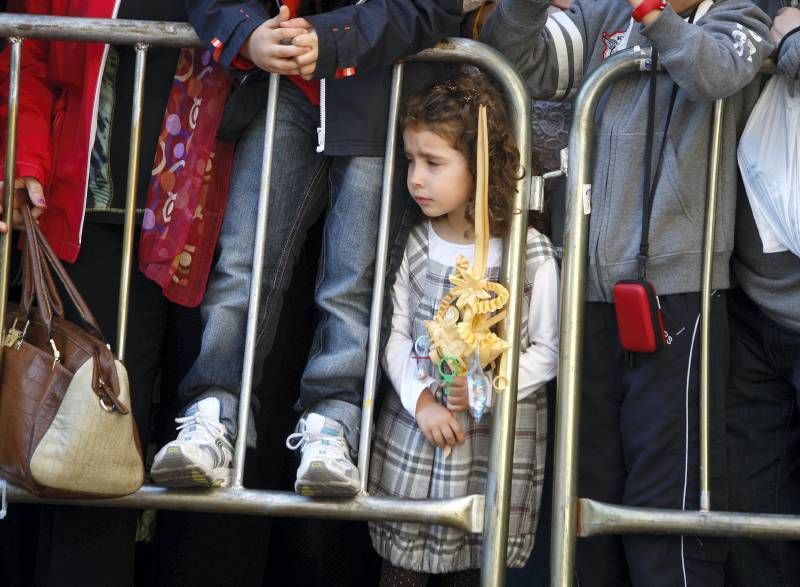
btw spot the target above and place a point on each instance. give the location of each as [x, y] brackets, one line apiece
[188, 189]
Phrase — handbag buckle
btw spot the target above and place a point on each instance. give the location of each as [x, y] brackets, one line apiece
[14, 336]
[105, 401]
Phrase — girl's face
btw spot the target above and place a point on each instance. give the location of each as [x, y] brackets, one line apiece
[439, 178]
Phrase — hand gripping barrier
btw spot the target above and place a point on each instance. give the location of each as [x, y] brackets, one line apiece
[572, 516]
[474, 513]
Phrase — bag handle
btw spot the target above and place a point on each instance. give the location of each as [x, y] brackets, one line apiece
[89, 322]
[33, 263]
[28, 289]
[42, 259]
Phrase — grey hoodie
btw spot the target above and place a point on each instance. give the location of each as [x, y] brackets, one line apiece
[716, 57]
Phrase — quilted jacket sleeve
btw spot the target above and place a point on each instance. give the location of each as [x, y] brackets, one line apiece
[36, 99]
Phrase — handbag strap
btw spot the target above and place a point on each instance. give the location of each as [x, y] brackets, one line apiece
[89, 322]
[33, 264]
[649, 187]
[28, 289]
[43, 263]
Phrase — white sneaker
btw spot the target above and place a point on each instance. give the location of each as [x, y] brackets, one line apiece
[201, 456]
[325, 469]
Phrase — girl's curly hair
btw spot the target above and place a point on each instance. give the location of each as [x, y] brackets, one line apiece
[450, 110]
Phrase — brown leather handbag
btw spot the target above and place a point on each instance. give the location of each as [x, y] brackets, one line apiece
[66, 429]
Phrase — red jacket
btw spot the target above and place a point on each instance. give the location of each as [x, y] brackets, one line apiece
[57, 114]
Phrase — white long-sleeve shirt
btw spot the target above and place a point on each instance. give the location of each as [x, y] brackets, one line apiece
[537, 363]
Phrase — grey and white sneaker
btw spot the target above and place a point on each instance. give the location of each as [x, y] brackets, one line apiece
[201, 456]
[325, 469]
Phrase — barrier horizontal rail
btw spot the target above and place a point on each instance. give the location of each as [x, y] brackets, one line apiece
[598, 518]
[464, 513]
[98, 30]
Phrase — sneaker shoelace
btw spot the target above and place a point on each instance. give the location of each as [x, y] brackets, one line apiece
[303, 438]
[203, 424]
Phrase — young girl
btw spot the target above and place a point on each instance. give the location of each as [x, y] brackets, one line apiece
[428, 444]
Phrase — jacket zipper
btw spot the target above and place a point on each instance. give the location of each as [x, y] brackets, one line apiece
[321, 127]
[598, 218]
[604, 218]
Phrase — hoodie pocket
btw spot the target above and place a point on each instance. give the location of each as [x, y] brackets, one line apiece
[619, 205]
[676, 224]
[676, 221]
[691, 205]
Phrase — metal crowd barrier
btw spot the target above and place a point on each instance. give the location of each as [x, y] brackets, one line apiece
[474, 513]
[572, 516]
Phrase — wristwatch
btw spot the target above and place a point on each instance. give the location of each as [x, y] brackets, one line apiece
[646, 7]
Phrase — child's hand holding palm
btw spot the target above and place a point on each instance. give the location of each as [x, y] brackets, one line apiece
[457, 395]
[437, 423]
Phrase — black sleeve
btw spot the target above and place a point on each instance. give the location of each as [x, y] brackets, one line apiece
[378, 32]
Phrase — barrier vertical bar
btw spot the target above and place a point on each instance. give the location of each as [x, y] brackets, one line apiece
[130, 199]
[379, 282]
[8, 186]
[705, 304]
[255, 284]
[504, 413]
[573, 295]
[498, 476]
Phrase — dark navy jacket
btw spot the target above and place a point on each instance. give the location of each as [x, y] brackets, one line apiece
[369, 37]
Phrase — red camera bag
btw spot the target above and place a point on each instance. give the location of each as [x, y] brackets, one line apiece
[639, 321]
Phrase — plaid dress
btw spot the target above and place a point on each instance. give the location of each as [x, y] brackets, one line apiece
[404, 464]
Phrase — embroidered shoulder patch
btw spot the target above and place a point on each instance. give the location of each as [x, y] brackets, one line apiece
[612, 42]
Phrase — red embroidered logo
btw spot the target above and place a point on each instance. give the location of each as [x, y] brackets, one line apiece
[612, 42]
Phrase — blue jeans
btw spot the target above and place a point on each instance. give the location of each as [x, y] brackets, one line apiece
[304, 184]
[763, 440]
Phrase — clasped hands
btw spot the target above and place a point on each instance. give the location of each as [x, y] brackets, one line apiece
[288, 46]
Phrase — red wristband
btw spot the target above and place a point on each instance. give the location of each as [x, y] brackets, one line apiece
[646, 7]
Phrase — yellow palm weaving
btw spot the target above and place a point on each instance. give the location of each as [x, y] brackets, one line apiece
[462, 326]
